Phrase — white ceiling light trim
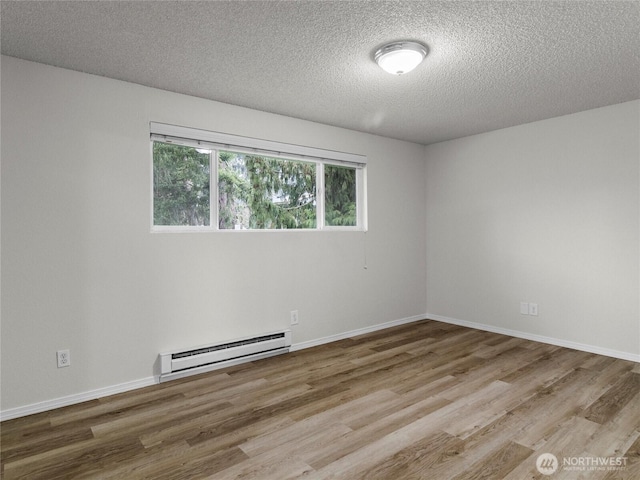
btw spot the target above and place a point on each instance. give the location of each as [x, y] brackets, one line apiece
[399, 58]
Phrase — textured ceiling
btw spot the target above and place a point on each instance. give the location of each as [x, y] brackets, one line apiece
[491, 64]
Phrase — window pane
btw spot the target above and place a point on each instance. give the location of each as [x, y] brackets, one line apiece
[340, 196]
[259, 192]
[180, 185]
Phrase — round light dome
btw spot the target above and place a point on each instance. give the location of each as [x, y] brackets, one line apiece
[400, 57]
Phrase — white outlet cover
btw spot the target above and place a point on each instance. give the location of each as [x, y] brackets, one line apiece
[64, 358]
[524, 308]
[533, 309]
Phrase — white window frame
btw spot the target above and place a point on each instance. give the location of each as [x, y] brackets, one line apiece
[216, 141]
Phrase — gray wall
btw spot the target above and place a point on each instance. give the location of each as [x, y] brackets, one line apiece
[547, 213]
[81, 270]
[465, 230]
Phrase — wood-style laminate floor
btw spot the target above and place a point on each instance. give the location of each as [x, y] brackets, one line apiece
[425, 400]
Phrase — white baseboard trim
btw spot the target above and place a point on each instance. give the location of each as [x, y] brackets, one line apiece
[354, 333]
[145, 382]
[76, 398]
[539, 338]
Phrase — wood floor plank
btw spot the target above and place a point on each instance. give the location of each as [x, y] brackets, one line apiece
[427, 381]
[486, 372]
[168, 463]
[631, 469]
[157, 417]
[415, 462]
[425, 400]
[269, 465]
[609, 404]
[615, 435]
[112, 412]
[566, 441]
[495, 349]
[201, 467]
[406, 399]
[44, 441]
[401, 438]
[249, 417]
[551, 406]
[80, 459]
[498, 464]
[306, 427]
[353, 442]
[481, 444]
[232, 438]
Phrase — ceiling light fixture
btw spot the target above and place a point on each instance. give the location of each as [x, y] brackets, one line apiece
[398, 58]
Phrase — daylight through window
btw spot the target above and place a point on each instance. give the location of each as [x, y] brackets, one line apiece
[209, 181]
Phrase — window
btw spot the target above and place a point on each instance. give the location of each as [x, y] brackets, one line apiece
[260, 192]
[181, 193]
[340, 195]
[210, 181]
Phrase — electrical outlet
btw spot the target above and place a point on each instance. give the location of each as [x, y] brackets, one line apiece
[294, 317]
[64, 358]
[524, 308]
[533, 309]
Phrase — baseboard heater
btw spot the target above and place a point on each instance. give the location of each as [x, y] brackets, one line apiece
[211, 357]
